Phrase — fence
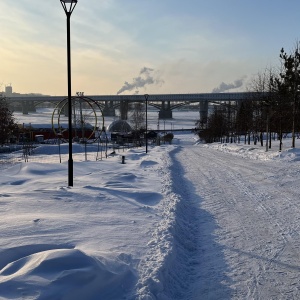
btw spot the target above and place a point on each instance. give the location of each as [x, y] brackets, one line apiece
[57, 153]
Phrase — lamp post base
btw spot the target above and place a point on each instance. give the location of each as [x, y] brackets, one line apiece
[70, 172]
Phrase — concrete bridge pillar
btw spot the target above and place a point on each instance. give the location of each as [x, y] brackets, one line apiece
[203, 112]
[31, 107]
[24, 107]
[109, 110]
[28, 106]
[165, 111]
[124, 110]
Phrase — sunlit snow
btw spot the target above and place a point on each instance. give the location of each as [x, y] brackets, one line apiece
[184, 221]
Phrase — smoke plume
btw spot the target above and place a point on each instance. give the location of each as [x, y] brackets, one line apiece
[146, 77]
[225, 87]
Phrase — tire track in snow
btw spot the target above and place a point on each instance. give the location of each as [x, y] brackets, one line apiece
[217, 201]
[253, 231]
[290, 237]
[284, 240]
[257, 198]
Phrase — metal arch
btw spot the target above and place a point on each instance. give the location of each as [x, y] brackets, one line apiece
[61, 105]
[87, 99]
[74, 102]
[56, 107]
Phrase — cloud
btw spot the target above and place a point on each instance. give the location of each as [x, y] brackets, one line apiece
[228, 86]
[147, 76]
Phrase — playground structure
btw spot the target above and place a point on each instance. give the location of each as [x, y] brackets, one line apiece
[87, 119]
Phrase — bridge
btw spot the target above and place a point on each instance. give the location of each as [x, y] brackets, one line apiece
[165, 103]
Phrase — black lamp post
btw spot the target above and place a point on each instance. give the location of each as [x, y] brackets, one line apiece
[146, 98]
[68, 6]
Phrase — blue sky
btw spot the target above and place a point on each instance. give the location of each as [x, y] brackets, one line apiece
[187, 46]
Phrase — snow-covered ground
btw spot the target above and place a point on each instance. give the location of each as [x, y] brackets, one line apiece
[184, 221]
[246, 207]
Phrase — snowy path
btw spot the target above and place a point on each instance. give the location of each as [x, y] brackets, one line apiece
[247, 222]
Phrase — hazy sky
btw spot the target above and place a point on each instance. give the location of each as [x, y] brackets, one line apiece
[149, 46]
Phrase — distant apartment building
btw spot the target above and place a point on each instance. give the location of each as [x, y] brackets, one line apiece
[8, 91]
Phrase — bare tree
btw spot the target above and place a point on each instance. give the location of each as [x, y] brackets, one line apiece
[137, 116]
[264, 105]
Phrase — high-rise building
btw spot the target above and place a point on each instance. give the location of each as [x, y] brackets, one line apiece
[8, 91]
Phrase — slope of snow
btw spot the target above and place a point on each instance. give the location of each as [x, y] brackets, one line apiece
[99, 228]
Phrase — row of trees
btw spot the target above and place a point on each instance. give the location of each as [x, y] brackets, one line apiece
[271, 112]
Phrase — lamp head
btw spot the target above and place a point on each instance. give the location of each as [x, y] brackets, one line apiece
[68, 5]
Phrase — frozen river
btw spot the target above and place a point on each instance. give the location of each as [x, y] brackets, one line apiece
[180, 120]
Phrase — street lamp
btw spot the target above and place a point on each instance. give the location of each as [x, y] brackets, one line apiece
[146, 98]
[68, 6]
